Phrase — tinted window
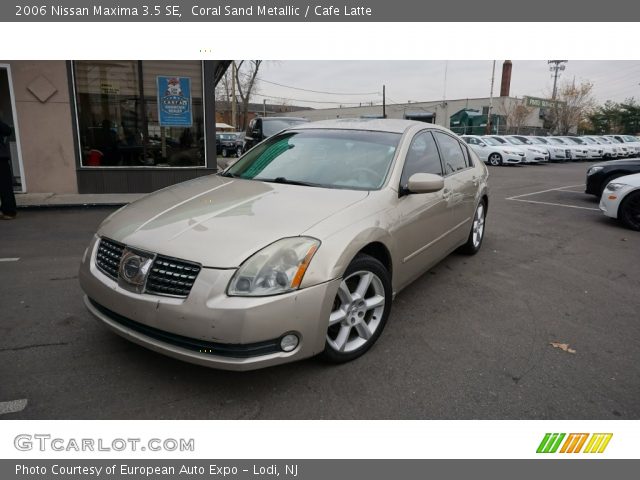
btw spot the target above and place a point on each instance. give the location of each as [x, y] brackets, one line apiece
[451, 151]
[422, 157]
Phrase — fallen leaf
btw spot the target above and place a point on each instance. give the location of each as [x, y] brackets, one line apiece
[562, 346]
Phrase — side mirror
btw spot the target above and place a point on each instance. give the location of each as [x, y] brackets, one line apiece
[256, 133]
[425, 183]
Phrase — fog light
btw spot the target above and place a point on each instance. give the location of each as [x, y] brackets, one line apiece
[289, 342]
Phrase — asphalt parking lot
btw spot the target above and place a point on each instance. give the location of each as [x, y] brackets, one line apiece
[469, 340]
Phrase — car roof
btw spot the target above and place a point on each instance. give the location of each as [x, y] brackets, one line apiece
[391, 125]
[284, 118]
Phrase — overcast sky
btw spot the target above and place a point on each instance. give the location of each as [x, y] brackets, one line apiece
[425, 80]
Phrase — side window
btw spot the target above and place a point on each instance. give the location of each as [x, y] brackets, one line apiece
[467, 157]
[453, 157]
[422, 157]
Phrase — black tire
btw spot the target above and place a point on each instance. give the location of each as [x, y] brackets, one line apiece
[495, 159]
[238, 152]
[361, 263]
[472, 246]
[224, 153]
[629, 211]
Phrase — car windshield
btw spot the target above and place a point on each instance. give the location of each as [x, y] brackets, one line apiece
[540, 141]
[590, 141]
[524, 140]
[274, 125]
[227, 136]
[557, 140]
[605, 140]
[577, 140]
[351, 159]
[515, 141]
[501, 141]
[629, 138]
[491, 141]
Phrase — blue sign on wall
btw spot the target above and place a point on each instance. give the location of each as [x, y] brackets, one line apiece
[174, 101]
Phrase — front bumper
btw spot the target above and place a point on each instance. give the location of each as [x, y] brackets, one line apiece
[208, 327]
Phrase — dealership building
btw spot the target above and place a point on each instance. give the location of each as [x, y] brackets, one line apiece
[109, 126]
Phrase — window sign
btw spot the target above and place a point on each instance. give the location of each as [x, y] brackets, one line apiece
[174, 101]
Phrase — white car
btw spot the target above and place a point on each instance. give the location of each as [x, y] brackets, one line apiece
[630, 142]
[609, 150]
[627, 150]
[557, 153]
[594, 152]
[577, 152]
[621, 199]
[534, 154]
[492, 152]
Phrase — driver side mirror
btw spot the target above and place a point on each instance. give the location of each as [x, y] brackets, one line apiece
[425, 183]
[256, 132]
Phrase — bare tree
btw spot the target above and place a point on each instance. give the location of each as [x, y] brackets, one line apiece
[246, 80]
[516, 113]
[575, 104]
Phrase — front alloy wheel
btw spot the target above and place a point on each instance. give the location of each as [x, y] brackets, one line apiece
[495, 159]
[629, 211]
[360, 310]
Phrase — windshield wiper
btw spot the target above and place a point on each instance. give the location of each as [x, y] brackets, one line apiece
[287, 181]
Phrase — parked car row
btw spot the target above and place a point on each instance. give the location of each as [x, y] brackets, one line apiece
[521, 149]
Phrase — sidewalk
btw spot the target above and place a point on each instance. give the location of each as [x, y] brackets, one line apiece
[38, 200]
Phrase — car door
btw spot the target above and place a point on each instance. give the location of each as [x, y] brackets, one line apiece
[422, 221]
[480, 148]
[461, 184]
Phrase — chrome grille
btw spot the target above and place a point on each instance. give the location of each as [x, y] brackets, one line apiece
[108, 257]
[170, 276]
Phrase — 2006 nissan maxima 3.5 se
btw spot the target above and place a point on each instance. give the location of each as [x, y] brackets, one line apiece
[295, 250]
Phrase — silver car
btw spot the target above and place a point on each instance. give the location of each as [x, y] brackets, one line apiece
[297, 249]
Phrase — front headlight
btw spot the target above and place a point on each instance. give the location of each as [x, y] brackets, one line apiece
[277, 268]
[593, 170]
[614, 187]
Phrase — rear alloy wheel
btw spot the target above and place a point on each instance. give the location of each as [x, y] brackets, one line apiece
[224, 153]
[474, 242]
[360, 310]
[629, 211]
[495, 159]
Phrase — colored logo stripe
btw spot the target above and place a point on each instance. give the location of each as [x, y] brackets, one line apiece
[550, 442]
[597, 442]
[574, 443]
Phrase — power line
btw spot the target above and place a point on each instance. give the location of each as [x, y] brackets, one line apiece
[309, 90]
[334, 102]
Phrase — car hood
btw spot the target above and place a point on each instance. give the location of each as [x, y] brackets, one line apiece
[632, 162]
[219, 221]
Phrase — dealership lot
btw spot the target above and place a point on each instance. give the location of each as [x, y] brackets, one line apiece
[470, 339]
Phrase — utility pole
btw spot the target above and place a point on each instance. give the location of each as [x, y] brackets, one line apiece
[264, 107]
[556, 67]
[493, 76]
[234, 107]
[384, 101]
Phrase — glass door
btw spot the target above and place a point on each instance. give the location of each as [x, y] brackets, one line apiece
[10, 143]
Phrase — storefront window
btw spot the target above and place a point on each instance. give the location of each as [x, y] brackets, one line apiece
[140, 113]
